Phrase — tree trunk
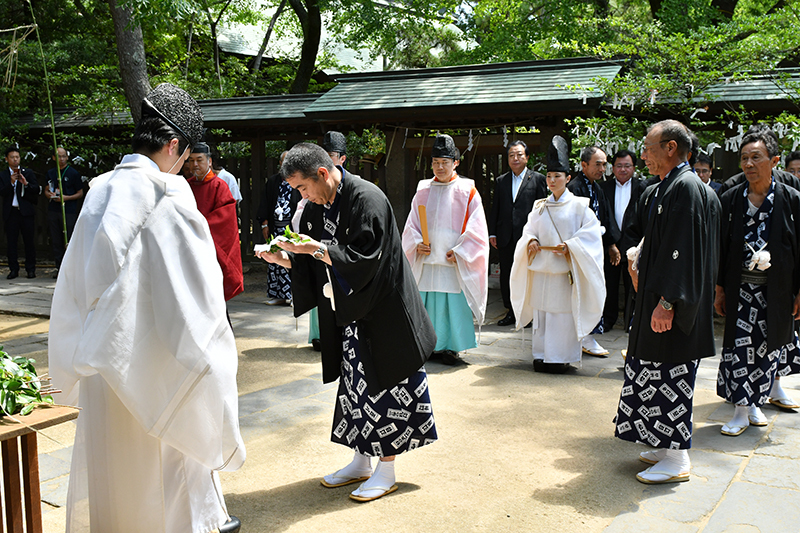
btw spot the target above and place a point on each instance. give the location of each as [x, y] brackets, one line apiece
[132, 63]
[256, 64]
[601, 8]
[724, 7]
[311, 22]
[655, 5]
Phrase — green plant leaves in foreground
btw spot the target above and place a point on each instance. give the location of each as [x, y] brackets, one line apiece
[20, 386]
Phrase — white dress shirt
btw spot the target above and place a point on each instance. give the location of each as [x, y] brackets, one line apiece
[622, 196]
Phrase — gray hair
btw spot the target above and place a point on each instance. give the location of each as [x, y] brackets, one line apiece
[307, 159]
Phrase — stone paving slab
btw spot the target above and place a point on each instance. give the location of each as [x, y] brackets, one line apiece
[749, 507]
[781, 442]
[689, 502]
[284, 416]
[51, 467]
[54, 493]
[778, 472]
[641, 522]
[708, 437]
[265, 399]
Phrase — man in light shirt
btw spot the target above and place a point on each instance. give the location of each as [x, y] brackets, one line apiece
[622, 193]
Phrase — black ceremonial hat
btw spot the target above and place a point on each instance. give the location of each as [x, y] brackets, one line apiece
[201, 148]
[443, 146]
[335, 141]
[558, 155]
[177, 109]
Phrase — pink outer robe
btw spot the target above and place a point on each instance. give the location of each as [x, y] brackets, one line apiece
[456, 221]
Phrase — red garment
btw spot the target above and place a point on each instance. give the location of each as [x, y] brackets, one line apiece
[215, 202]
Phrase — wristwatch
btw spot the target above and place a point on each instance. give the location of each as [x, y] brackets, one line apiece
[665, 304]
[320, 252]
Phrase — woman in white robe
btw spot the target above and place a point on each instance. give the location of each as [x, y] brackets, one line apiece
[557, 278]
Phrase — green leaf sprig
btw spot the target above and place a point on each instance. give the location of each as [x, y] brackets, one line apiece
[20, 387]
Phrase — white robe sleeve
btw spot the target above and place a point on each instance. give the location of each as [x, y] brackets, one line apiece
[472, 259]
[158, 335]
[412, 236]
[586, 261]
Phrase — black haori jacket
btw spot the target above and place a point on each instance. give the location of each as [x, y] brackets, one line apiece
[679, 261]
[782, 275]
[395, 334]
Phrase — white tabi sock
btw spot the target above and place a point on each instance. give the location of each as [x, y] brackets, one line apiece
[777, 391]
[651, 456]
[755, 416]
[675, 463]
[359, 467]
[740, 418]
[380, 481]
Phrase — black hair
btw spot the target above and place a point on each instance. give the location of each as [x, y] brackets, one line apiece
[152, 133]
[763, 133]
[705, 159]
[621, 154]
[793, 156]
[12, 148]
[518, 142]
[588, 152]
[305, 158]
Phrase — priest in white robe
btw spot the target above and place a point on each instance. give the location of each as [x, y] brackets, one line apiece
[557, 278]
[451, 269]
[139, 340]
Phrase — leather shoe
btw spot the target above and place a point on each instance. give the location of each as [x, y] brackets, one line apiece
[508, 320]
[550, 368]
[31, 275]
[316, 344]
[12, 275]
[231, 526]
[451, 358]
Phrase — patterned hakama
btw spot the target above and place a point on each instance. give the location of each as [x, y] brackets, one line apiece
[655, 405]
[747, 370]
[789, 360]
[279, 281]
[394, 421]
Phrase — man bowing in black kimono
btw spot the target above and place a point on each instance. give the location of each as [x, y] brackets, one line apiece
[374, 330]
[673, 326]
[514, 194]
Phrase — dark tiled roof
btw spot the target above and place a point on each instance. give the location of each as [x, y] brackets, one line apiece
[530, 87]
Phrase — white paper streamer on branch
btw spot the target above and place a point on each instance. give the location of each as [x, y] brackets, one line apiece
[505, 136]
[469, 141]
[653, 94]
[696, 111]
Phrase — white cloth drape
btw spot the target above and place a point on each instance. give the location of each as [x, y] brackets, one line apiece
[544, 284]
[139, 339]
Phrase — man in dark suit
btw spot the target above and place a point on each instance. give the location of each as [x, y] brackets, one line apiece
[20, 192]
[593, 167]
[514, 194]
[622, 194]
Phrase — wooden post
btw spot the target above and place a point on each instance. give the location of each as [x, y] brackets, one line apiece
[30, 479]
[10, 454]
